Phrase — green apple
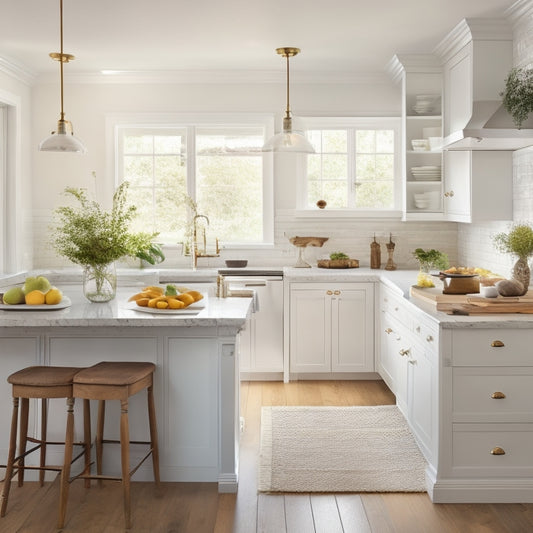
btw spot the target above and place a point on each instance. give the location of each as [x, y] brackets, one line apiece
[40, 283]
[13, 296]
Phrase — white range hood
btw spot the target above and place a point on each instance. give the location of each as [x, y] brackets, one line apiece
[490, 128]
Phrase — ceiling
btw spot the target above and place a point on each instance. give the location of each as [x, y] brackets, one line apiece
[351, 36]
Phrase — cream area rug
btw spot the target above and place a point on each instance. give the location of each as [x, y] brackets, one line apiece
[338, 449]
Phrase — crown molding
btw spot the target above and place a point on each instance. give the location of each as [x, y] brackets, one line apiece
[520, 12]
[412, 63]
[469, 29]
[217, 77]
[17, 71]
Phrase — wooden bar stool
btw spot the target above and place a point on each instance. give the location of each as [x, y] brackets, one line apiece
[114, 381]
[41, 382]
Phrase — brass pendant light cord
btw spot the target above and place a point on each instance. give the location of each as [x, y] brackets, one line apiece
[61, 61]
[288, 110]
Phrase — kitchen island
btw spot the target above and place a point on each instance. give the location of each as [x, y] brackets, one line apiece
[196, 380]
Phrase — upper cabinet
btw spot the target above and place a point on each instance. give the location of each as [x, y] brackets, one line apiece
[420, 76]
[477, 56]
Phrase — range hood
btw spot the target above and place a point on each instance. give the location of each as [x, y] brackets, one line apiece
[490, 128]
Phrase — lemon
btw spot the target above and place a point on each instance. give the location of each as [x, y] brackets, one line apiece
[53, 296]
[35, 297]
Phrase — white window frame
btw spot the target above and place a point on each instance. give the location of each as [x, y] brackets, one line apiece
[117, 121]
[372, 123]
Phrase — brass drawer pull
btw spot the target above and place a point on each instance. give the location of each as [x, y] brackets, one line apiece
[497, 451]
[429, 338]
[388, 331]
[336, 293]
[329, 293]
[497, 395]
[407, 351]
[497, 344]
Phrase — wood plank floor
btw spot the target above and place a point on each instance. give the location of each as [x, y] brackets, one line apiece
[198, 508]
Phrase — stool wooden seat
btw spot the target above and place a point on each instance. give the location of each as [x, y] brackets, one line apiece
[114, 381]
[41, 382]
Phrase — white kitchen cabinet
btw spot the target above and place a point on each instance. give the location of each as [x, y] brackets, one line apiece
[261, 342]
[487, 421]
[478, 185]
[331, 327]
[420, 76]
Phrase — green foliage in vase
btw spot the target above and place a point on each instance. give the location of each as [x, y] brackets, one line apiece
[518, 241]
[518, 94]
[87, 234]
[431, 259]
[142, 246]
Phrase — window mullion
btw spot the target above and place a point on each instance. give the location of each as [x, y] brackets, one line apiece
[191, 162]
[351, 168]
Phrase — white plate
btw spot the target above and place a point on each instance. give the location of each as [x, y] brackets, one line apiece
[192, 309]
[65, 302]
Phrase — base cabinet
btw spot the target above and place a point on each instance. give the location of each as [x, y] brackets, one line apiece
[331, 327]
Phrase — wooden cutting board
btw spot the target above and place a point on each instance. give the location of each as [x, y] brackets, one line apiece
[472, 309]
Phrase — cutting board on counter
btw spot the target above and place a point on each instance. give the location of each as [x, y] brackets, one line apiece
[464, 304]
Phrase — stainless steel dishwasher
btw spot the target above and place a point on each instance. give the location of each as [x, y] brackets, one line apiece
[261, 343]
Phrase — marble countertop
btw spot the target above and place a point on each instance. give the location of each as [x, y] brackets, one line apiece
[216, 312]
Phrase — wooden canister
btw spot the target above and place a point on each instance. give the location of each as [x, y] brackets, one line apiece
[375, 254]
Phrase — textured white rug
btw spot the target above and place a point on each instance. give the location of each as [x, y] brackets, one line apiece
[338, 449]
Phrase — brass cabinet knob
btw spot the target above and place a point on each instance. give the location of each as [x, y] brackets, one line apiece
[430, 338]
[449, 194]
[404, 352]
[497, 451]
[336, 293]
[497, 344]
[388, 331]
[412, 361]
[329, 293]
[497, 395]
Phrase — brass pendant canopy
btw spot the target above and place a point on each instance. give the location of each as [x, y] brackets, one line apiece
[288, 140]
[63, 139]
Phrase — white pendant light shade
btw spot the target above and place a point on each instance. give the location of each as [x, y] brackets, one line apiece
[288, 140]
[62, 140]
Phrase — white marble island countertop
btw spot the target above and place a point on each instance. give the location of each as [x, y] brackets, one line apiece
[215, 312]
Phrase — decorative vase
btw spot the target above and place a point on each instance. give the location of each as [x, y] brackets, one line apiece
[100, 282]
[522, 273]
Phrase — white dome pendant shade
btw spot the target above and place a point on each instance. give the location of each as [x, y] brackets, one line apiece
[63, 139]
[288, 140]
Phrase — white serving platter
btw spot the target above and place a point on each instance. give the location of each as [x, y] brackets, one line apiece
[192, 309]
[65, 302]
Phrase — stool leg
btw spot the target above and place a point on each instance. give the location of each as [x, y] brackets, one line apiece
[87, 439]
[10, 457]
[125, 459]
[153, 434]
[44, 423]
[65, 472]
[99, 439]
[23, 437]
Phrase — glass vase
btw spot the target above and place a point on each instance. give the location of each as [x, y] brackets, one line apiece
[522, 273]
[424, 278]
[100, 282]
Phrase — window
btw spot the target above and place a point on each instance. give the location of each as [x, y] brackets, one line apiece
[219, 166]
[356, 164]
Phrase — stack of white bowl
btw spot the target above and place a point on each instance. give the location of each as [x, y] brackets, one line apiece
[427, 173]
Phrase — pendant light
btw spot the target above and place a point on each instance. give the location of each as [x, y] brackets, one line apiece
[288, 140]
[63, 139]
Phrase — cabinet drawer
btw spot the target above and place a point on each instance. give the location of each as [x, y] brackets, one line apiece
[426, 334]
[492, 347]
[393, 304]
[492, 395]
[474, 445]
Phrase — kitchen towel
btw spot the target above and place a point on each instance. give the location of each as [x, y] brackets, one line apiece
[338, 449]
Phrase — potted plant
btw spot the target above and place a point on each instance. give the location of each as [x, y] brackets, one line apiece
[519, 242]
[95, 238]
[429, 260]
[518, 94]
[144, 248]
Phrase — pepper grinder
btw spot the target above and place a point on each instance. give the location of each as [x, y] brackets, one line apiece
[391, 265]
[375, 254]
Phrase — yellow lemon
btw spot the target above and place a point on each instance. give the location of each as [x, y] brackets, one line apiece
[53, 296]
[161, 304]
[35, 297]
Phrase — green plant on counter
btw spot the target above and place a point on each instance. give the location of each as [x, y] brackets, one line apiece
[143, 247]
[518, 241]
[517, 96]
[429, 259]
[338, 255]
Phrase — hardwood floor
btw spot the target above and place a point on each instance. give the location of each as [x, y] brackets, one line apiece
[198, 508]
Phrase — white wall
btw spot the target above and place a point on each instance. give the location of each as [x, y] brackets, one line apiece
[87, 104]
